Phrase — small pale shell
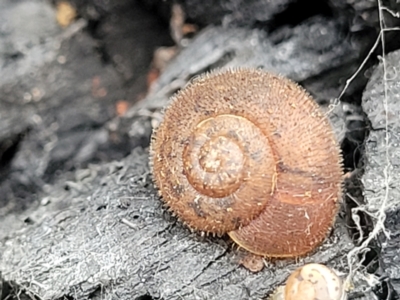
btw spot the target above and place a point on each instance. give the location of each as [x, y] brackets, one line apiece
[313, 281]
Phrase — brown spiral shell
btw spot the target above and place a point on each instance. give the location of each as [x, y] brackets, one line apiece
[249, 153]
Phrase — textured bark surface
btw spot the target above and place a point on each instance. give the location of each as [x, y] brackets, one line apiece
[81, 245]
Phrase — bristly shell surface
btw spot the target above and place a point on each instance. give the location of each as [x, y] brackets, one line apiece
[249, 153]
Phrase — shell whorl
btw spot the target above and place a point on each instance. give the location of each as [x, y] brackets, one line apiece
[313, 281]
[249, 153]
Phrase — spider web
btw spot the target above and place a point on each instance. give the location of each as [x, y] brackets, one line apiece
[357, 255]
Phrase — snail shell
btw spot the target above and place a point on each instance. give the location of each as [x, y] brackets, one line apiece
[313, 281]
[249, 153]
